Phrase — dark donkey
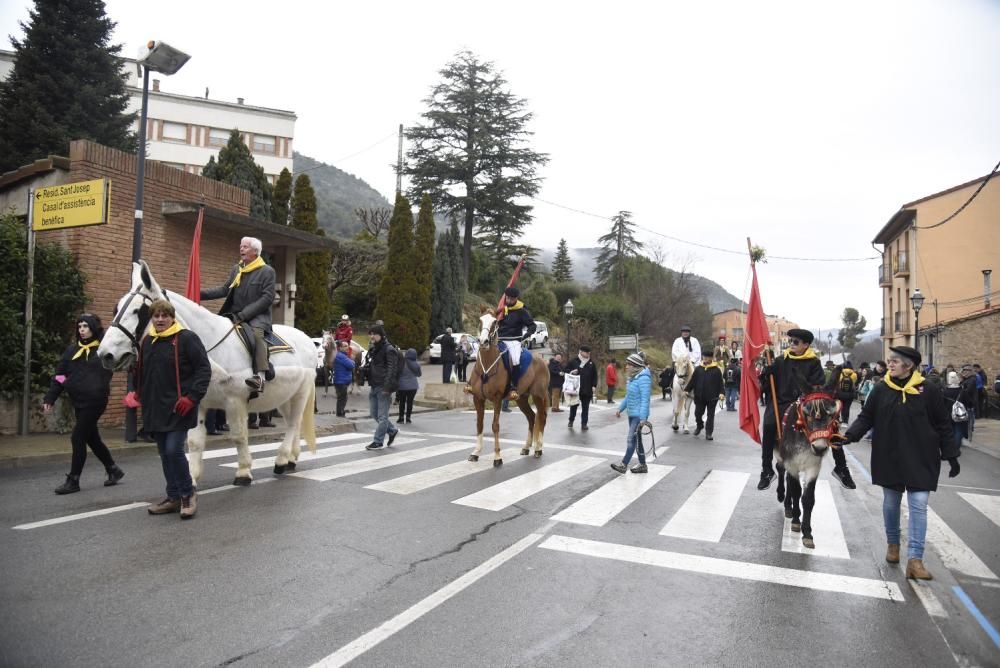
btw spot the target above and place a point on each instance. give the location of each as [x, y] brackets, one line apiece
[806, 430]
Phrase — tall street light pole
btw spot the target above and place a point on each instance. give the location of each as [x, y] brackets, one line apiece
[153, 57]
[568, 310]
[829, 346]
[917, 301]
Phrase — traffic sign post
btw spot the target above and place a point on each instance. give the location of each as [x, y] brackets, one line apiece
[623, 342]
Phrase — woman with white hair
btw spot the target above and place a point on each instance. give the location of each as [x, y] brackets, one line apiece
[955, 392]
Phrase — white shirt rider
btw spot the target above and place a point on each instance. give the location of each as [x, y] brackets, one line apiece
[687, 345]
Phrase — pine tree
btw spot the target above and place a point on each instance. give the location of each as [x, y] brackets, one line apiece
[312, 270]
[562, 266]
[853, 329]
[66, 84]
[475, 138]
[399, 292]
[449, 287]
[618, 244]
[282, 197]
[236, 167]
[423, 261]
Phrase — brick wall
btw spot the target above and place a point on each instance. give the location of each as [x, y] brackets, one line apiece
[104, 252]
[971, 340]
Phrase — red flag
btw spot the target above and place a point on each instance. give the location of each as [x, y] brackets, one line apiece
[193, 290]
[755, 337]
[510, 284]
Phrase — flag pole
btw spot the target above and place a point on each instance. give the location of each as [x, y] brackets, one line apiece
[769, 353]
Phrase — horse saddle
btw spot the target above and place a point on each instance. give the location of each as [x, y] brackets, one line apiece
[525, 362]
[275, 344]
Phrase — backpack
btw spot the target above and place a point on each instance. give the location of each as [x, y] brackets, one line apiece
[730, 375]
[996, 384]
[866, 389]
[400, 363]
[846, 385]
[959, 413]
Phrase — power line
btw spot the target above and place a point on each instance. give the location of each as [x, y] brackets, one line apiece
[709, 247]
[967, 202]
[348, 157]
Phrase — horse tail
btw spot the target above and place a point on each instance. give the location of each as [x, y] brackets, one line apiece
[308, 428]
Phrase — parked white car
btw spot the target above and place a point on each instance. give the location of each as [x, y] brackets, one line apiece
[540, 338]
[435, 348]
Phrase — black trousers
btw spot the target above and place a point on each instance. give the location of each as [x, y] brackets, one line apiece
[699, 412]
[584, 407]
[461, 369]
[446, 368]
[406, 403]
[341, 391]
[769, 438]
[85, 433]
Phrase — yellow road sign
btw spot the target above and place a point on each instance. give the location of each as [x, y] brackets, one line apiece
[71, 205]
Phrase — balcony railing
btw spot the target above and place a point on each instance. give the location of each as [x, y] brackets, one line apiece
[884, 277]
[902, 323]
[901, 264]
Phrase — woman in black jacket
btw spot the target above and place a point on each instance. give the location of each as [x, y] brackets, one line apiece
[88, 384]
[913, 434]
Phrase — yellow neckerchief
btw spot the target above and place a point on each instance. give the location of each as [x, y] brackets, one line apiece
[85, 348]
[169, 331]
[709, 366]
[809, 354]
[909, 388]
[518, 304]
[246, 269]
[850, 374]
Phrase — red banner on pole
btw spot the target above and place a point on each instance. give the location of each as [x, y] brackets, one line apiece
[755, 338]
[510, 284]
[193, 290]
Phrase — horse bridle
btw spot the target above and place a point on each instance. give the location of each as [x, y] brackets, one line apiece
[144, 316]
[831, 428]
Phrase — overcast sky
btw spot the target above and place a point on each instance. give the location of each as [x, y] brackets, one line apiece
[801, 125]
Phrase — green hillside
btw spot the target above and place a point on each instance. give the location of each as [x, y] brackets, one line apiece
[338, 194]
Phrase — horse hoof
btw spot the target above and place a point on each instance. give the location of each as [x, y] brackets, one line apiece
[781, 499]
[788, 513]
[290, 466]
[675, 428]
[796, 526]
[278, 470]
[473, 458]
[525, 451]
[538, 453]
[242, 481]
[808, 542]
[497, 463]
[687, 431]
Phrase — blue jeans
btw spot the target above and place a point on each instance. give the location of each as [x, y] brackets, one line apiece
[634, 442]
[732, 396]
[917, 531]
[378, 404]
[175, 465]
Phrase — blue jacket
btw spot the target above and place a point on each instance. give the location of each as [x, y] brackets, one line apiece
[636, 401]
[408, 374]
[343, 369]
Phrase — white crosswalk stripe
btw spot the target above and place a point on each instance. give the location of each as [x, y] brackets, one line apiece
[221, 453]
[706, 513]
[421, 480]
[376, 462]
[324, 453]
[603, 504]
[954, 552]
[987, 504]
[511, 491]
[828, 532]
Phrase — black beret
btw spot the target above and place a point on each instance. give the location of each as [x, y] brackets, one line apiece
[512, 292]
[685, 328]
[584, 349]
[907, 352]
[801, 334]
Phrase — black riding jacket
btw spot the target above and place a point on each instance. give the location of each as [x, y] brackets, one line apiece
[517, 324]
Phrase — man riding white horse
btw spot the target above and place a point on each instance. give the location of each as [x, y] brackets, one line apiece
[515, 325]
[249, 294]
[685, 343]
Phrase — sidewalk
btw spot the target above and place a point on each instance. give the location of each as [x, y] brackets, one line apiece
[986, 438]
[18, 451]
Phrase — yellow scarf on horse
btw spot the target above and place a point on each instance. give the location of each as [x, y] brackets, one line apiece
[909, 388]
[169, 331]
[85, 348]
[246, 269]
[809, 354]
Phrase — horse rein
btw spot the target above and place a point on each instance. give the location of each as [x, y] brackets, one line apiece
[832, 427]
[143, 318]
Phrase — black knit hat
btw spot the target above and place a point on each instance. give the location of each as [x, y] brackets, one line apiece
[512, 292]
[803, 335]
[909, 353]
[377, 329]
[96, 329]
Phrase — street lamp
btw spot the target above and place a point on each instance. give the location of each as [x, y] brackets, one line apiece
[568, 311]
[829, 346]
[153, 57]
[917, 300]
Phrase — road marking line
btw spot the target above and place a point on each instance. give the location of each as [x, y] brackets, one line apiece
[224, 488]
[828, 532]
[600, 506]
[979, 616]
[706, 513]
[359, 646]
[984, 503]
[509, 492]
[306, 456]
[377, 461]
[843, 584]
[82, 516]
[274, 445]
[978, 489]
[514, 441]
[954, 553]
[931, 603]
[421, 480]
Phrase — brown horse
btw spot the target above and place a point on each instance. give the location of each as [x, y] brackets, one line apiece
[488, 381]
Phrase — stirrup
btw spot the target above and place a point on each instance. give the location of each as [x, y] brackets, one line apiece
[512, 395]
[467, 389]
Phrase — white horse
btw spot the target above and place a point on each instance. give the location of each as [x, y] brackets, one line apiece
[683, 368]
[292, 391]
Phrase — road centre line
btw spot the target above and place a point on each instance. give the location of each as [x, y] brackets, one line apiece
[324, 453]
[843, 584]
[362, 644]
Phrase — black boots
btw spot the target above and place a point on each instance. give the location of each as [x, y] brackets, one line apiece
[71, 485]
[114, 475]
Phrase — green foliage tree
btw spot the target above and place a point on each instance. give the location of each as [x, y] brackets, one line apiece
[562, 265]
[540, 299]
[282, 197]
[58, 300]
[471, 155]
[399, 292]
[312, 306]
[236, 167]
[854, 326]
[618, 245]
[448, 286]
[66, 84]
[423, 261]
[605, 314]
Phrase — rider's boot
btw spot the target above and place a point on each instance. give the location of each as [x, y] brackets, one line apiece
[256, 382]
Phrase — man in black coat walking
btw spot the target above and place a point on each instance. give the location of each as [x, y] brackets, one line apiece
[555, 382]
[731, 378]
[584, 367]
[447, 355]
[706, 384]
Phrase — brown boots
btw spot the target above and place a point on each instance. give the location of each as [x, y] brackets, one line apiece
[892, 553]
[915, 569]
[189, 505]
[165, 507]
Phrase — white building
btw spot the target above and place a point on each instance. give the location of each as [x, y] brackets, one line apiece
[184, 132]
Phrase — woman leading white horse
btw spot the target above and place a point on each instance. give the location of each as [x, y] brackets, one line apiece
[292, 391]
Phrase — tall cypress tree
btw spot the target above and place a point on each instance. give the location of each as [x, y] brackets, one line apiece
[562, 265]
[399, 292]
[423, 261]
[312, 307]
[237, 167]
[282, 197]
[449, 286]
[618, 244]
[66, 84]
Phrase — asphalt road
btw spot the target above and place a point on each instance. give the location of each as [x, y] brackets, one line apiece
[366, 556]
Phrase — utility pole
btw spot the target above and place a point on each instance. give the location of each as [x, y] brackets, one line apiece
[399, 163]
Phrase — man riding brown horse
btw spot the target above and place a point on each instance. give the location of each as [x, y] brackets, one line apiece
[515, 325]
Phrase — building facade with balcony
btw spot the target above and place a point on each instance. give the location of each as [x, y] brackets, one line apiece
[731, 324]
[950, 263]
[183, 132]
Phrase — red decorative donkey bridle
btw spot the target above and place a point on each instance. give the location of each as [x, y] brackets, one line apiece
[831, 428]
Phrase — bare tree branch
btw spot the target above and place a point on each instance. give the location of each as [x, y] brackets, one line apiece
[374, 220]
